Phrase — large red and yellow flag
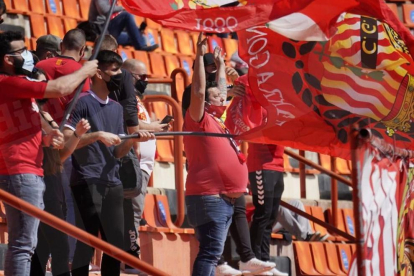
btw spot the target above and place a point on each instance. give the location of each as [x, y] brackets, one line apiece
[315, 91]
[224, 16]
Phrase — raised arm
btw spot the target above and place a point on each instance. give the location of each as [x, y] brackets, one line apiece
[72, 142]
[198, 87]
[221, 72]
[67, 84]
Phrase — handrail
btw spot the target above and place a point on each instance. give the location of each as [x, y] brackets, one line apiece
[318, 167]
[78, 234]
[178, 152]
[174, 74]
[318, 221]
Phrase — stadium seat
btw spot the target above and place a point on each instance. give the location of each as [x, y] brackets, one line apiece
[187, 64]
[194, 38]
[70, 9]
[345, 255]
[153, 25]
[37, 6]
[143, 57]
[157, 65]
[408, 14]
[230, 46]
[55, 26]
[84, 8]
[341, 223]
[214, 41]
[151, 216]
[349, 221]
[164, 215]
[69, 23]
[317, 212]
[342, 165]
[53, 7]
[2, 213]
[168, 41]
[185, 44]
[125, 53]
[334, 258]
[37, 25]
[171, 63]
[152, 37]
[320, 258]
[304, 262]
[287, 166]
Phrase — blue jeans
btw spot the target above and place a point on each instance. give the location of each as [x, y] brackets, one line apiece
[132, 36]
[211, 218]
[21, 227]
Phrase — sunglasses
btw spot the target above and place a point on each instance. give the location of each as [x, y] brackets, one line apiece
[140, 76]
[17, 52]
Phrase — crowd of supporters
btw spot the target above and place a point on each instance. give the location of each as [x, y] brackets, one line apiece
[90, 176]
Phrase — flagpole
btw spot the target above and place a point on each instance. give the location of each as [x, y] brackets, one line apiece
[97, 46]
[182, 133]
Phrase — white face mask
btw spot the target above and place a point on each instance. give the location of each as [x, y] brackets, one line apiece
[28, 63]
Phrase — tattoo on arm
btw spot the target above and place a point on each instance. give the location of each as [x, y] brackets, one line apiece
[222, 84]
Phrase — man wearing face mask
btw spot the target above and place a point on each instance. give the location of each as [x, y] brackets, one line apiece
[217, 173]
[95, 181]
[139, 72]
[21, 140]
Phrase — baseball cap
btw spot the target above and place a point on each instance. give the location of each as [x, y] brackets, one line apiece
[48, 42]
[208, 59]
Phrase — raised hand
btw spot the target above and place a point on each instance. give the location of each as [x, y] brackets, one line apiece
[219, 56]
[82, 127]
[201, 45]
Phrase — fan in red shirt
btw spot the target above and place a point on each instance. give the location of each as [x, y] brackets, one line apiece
[21, 140]
[73, 49]
[217, 173]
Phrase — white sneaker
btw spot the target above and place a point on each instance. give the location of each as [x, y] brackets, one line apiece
[255, 266]
[226, 270]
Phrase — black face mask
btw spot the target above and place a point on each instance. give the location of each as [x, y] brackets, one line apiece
[114, 84]
[141, 85]
[18, 67]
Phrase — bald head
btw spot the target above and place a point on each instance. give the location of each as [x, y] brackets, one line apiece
[135, 67]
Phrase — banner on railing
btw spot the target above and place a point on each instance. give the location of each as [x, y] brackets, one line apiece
[387, 206]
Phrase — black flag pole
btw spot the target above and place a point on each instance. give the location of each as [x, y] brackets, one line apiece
[68, 111]
[183, 133]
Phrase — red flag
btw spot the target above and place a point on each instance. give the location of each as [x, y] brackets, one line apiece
[315, 91]
[224, 16]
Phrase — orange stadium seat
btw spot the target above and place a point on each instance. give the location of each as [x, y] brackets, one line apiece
[194, 38]
[157, 65]
[168, 41]
[345, 255]
[342, 166]
[27, 43]
[37, 6]
[287, 166]
[394, 9]
[304, 262]
[70, 9]
[53, 7]
[165, 216]
[152, 37]
[214, 41]
[55, 26]
[349, 221]
[84, 8]
[341, 223]
[21, 6]
[125, 53]
[69, 23]
[185, 44]
[230, 46]
[333, 264]
[187, 64]
[408, 14]
[153, 25]
[320, 258]
[171, 63]
[37, 25]
[317, 212]
[143, 57]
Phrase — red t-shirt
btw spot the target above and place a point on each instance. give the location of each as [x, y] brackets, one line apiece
[265, 157]
[57, 67]
[213, 165]
[20, 128]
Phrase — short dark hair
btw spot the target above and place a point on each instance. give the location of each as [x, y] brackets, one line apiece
[186, 100]
[6, 39]
[106, 58]
[74, 40]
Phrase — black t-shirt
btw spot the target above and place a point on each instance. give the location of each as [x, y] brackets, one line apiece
[96, 161]
[127, 98]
